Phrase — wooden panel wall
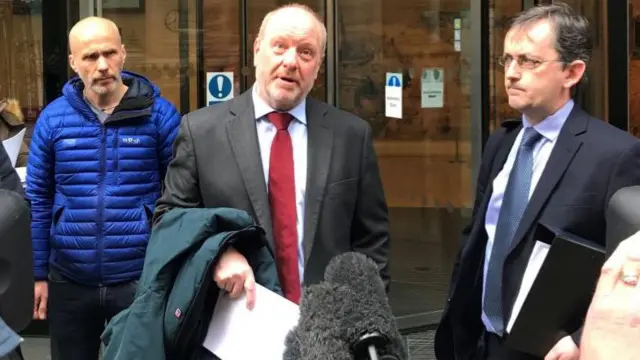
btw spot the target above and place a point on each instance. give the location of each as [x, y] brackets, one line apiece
[20, 54]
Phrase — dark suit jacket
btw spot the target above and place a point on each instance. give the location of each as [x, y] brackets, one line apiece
[9, 179]
[589, 163]
[217, 164]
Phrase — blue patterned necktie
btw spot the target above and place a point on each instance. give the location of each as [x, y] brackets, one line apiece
[514, 203]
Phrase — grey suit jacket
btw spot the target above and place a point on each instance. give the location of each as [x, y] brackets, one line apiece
[217, 164]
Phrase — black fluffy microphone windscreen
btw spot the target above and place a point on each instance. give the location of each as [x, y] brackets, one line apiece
[319, 335]
[369, 312]
[623, 216]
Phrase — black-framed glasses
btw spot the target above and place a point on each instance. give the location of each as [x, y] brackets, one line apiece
[523, 62]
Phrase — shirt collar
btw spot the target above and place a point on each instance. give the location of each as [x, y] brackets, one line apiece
[550, 127]
[261, 108]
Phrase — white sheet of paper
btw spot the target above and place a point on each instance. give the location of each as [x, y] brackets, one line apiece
[22, 173]
[536, 260]
[237, 333]
[12, 145]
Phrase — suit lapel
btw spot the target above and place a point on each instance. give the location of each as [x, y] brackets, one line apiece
[564, 151]
[500, 157]
[474, 251]
[319, 147]
[243, 138]
[505, 148]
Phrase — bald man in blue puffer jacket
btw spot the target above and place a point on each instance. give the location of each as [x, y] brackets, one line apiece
[96, 163]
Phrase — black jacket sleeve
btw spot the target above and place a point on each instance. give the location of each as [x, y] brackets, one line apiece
[9, 179]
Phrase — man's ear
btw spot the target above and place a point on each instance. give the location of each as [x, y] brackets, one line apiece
[124, 54]
[72, 63]
[576, 73]
[256, 48]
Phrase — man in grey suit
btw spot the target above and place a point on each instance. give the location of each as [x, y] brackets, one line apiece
[306, 171]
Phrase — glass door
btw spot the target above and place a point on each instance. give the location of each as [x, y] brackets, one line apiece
[228, 37]
[429, 45]
[501, 12]
[634, 67]
[177, 43]
[593, 95]
[160, 39]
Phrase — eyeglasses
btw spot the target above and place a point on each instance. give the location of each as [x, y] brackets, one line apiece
[522, 61]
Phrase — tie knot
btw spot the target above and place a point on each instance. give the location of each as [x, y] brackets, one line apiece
[530, 137]
[280, 120]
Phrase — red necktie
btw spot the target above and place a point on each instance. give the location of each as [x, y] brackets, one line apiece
[282, 197]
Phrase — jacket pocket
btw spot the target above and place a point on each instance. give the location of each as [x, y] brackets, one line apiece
[55, 277]
[338, 188]
[57, 215]
[148, 213]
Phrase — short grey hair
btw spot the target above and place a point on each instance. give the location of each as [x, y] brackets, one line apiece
[572, 34]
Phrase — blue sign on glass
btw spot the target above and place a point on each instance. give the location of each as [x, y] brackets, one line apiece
[220, 87]
[394, 81]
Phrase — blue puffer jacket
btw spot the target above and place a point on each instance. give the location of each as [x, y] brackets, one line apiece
[93, 186]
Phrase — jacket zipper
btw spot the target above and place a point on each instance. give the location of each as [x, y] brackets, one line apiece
[116, 157]
[103, 161]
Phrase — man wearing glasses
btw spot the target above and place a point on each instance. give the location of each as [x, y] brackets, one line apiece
[556, 164]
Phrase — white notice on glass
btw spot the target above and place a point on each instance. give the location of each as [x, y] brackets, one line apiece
[432, 88]
[536, 260]
[12, 146]
[393, 95]
[237, 333]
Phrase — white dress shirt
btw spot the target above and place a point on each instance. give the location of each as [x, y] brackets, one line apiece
[549, 128]
[298, 133]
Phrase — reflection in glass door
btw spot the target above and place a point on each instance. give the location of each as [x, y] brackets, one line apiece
[160, 40]
[229, 36]
[593, 94]
[501, 12]
[424, 156]
[634, 67]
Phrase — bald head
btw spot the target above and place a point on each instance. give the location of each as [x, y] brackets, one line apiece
[97, 54]
[91, 28]
[294, 12]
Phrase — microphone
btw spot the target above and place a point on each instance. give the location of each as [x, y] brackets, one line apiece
[16, 261]
[346, 317]
[369, 325]
[319, 335]
[622, 216]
